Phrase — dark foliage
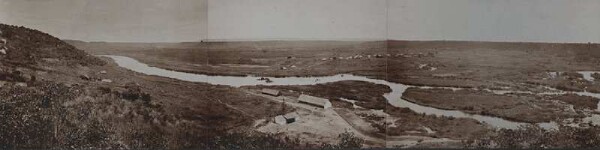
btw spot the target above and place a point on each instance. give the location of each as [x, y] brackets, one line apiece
[134, 92]
[536, 137]
[28, 46]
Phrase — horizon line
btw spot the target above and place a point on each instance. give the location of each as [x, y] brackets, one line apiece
[325, 40]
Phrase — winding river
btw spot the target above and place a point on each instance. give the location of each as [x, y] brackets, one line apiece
[394, 97]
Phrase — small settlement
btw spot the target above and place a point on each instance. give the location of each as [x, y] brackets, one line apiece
[302, 99]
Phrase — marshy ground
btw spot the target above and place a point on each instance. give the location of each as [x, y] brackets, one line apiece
[505, 80]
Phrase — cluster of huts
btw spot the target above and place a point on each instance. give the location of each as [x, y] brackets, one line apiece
[378, 56]
[427, 67]
[419, 55]
[354, 57]
[304, 99]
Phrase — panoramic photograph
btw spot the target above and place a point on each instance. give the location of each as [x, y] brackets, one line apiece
[299, 74]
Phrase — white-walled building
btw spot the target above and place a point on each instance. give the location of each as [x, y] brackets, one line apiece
[315, 101]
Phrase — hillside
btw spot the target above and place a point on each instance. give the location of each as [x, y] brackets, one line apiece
[55, 96]
[29, 46]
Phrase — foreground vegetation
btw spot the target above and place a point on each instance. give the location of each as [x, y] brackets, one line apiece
[532, 137]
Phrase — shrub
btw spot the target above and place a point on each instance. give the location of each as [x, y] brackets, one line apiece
[536, 137]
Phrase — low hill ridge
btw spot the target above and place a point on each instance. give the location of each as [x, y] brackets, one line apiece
[29, 46]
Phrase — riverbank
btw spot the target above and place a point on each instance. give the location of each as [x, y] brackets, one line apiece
[519, 107]
[393, 97]
[456, 71]
[359, 102]
[492, 65]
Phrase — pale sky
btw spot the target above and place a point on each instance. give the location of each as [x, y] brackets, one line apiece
[111, 20]
[297, 19]
[495, 20]
[194, 20]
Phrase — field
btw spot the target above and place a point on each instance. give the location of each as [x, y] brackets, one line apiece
[261, 58]
[505, 80]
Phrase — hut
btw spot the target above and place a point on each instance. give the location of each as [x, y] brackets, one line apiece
[271, 92]
[280, 120]
[287, 118]
[315, 101]
[291, 117]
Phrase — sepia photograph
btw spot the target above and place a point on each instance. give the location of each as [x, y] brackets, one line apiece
[299, 74]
